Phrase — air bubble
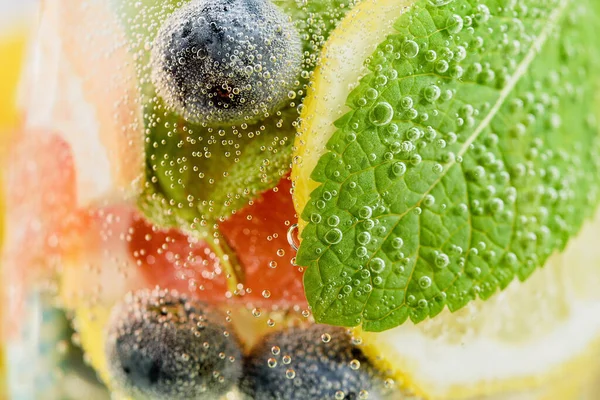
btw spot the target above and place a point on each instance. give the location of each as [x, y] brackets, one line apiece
[483, 14]
[496, 205]
[447, 95]
[363, 238]
[429, 200]
[432, 93]
[430, 55]
[381, 114]
[439, 3]
[291, 233]
[415, 159]
[425, 282]
[460, 53]
[377, 265]
[392, 129]
[413, 134]
[333, 220]
[457, 72]
[454, 23]
[334, 236]
[511, 259]
[381, 80]
[365, 212]
[406, 103]
[361, 251]
[371, 93]
[290, 373]
[441, 66]
[442, 260]
[410, 49]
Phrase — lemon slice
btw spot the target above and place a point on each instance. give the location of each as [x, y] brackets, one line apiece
[340, 68]
[538, 339]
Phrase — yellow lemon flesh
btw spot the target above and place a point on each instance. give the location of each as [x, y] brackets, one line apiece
[538, 339]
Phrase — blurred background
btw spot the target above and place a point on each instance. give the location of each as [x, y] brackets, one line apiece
[16, 17]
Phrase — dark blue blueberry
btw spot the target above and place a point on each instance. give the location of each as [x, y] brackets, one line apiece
[160, 345]
[226, 61]
[319, 362]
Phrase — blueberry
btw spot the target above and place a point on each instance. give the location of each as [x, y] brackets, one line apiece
[161, 345]
[319, 362]
[224, 62]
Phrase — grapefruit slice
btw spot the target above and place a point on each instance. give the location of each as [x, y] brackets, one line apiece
[256, 234]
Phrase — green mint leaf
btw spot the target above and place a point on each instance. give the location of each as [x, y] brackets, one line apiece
[197, 175]
[471, 153]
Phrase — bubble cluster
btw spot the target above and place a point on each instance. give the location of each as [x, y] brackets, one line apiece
[161, 344]
[226, 62]
[447, 167]
[311, 362]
